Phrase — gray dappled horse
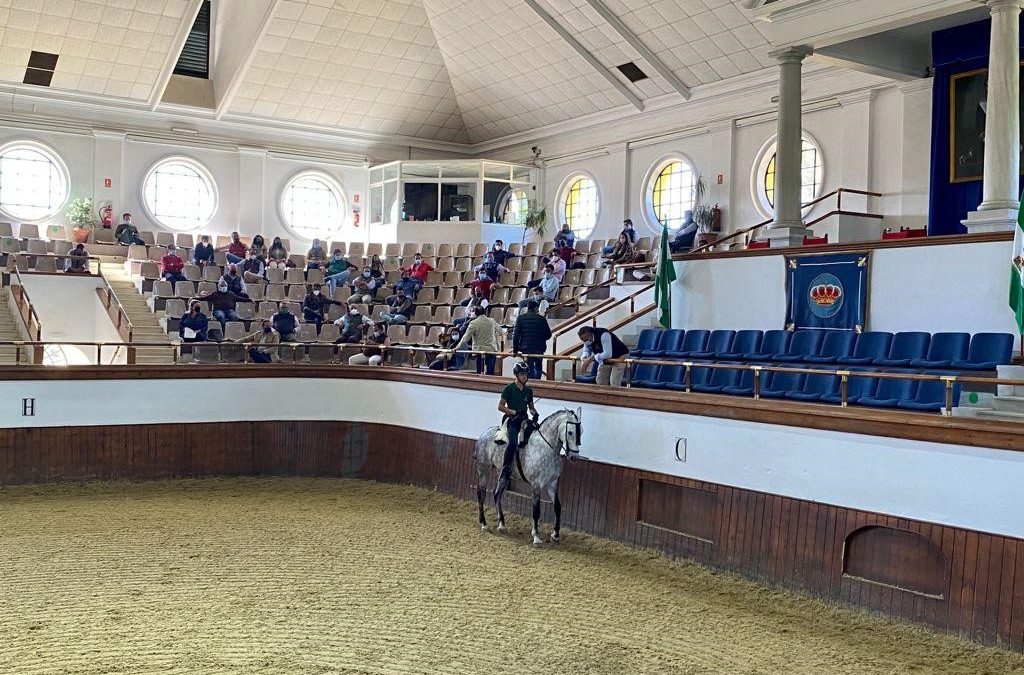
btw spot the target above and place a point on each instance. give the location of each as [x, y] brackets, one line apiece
[541, 458]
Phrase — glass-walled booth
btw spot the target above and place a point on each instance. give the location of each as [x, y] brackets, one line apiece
[450, 201]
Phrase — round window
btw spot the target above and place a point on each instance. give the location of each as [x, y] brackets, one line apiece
[811, 175]
[33, 182]
[313, 206]
[179, 193]
[670, 193]
[580, 205]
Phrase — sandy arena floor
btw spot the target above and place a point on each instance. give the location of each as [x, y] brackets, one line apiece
[327, 576]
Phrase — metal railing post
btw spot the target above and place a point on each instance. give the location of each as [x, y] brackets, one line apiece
[844, 387]
[629, 373]
[948, 412]
[757, 382]
[687, 375]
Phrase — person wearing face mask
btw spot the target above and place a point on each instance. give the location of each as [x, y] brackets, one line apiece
[259, 247]
[172, 266]
[126, 233]
[491, 267]
[599, 346]
[285, 323]
[565, 237]
[316, 256]
[352, 326]
[622, 253]
[399, 308]
[627, 231]
[558, 263]
[203, 253]
[236, 250]
[253, 269]
[233, 278]
[448, 341]
[420, 269]
[376, 267]
[483, 334]
[409, 285]
[314, 307]
[549, 283]
[364, 287]
[536, 296]
[338, 271]
[223, 301]
[371, 355]
[193, 326]
[265, 344]
[499, 253]
[477, 299]
[277, 256]
[482, 284]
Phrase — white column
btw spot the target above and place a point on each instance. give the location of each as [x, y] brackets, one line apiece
[1000, 197]
[787, 228]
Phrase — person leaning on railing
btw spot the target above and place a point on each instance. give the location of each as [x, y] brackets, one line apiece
[371, 355]
[599, 346]
[78, 260]
[265, 344]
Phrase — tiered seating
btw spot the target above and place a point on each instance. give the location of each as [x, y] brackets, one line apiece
[907, 353]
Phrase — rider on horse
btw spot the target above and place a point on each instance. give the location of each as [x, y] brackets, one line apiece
[516, 400]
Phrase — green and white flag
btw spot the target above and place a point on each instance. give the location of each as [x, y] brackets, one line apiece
[666, 274]
[1017, 272]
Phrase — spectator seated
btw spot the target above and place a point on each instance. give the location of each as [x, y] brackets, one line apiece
[931, 395]
[803, 344]
[905, 348]
[693, 341]
[815, 387]
[745, 342]
[987, 351]
[774, 342]
[943, 350]
[836, 345]
[870, 346]
[719, 343]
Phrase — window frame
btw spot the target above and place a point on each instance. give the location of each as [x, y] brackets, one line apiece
[62, 170]
[506, 199]
[203, 172]
[763, 158]
[334, 184]
[562, 195]
[647, 196]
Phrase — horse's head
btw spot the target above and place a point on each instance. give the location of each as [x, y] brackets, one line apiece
[571, 433]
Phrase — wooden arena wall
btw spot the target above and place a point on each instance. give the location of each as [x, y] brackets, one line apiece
[952, 579]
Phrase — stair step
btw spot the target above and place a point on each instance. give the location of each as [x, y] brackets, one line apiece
[1009, 404]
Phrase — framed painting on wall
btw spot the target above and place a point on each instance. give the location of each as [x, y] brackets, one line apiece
[968, 94]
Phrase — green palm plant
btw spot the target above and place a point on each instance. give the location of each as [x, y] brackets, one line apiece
[536, 221]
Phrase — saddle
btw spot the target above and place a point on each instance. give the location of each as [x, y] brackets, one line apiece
[525, 431]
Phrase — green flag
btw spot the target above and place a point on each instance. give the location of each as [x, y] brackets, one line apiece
[666, 274]
[1017, 272]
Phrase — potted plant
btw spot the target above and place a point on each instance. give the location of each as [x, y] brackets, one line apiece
[704, 215]
[536, 221]
[82, 219]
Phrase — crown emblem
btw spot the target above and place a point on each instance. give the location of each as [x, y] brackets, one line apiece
[826, 295]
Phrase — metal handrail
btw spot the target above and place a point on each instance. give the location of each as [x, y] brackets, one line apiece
[591, 317]
[838, 193]
[111, 299]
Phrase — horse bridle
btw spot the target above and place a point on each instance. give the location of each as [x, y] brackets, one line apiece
[577, 427]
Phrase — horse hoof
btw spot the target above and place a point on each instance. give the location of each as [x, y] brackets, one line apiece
[483, 528]
[537, 541]
[555, 538]
[502, 528]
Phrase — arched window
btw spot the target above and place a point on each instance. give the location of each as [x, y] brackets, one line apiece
[670, 193]
[179, 193]
[33, 181]
[517, 206]
[580, 205]
[313, 206]
[811, 173]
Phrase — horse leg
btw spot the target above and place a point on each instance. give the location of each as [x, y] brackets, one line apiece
[536, 520]
[499, 497]
[481, 492]
[556, 533]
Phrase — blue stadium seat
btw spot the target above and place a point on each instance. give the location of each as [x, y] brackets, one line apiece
[644, 375]
[672, 339]
[905, 348]
[720, 379]
[781, 384]
[870, 346]
[719, 343]
[694, 341]
[987, 351]
[588, 378]
[931, 396]
[856, 388]
[773, 342]
[815, 387]
[943, 350]
[745, 386]
[837, 344]
[804, 343]
[648, 340]
[699, 376]
[889, 393]
[669, 376]
[746, 341]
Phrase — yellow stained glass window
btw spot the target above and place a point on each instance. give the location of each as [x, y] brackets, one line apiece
[672, 193]
[581, 206]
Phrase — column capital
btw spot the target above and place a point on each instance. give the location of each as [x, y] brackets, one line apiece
[1003, 5]
[795, 54]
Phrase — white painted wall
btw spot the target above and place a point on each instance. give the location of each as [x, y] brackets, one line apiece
[973, 488]
[928, 288]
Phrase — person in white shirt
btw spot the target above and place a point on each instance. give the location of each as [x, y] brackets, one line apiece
[557, 264]
[549, 283]
[599, 346]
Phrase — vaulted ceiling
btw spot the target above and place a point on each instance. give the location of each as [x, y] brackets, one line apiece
[461, 71]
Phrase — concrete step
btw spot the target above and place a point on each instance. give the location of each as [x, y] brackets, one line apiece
[1010, 404]
[1000, 415]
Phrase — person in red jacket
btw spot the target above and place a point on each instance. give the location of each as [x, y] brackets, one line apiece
[171, 265]
[419, 269]
[482, 286]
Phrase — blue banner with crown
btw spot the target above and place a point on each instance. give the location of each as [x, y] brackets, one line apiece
[827, 292]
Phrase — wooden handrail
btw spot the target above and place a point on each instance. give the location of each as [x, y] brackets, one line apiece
[591, 316]
[837, 193]
[27, 312]
[625, 321]
[116, 311]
